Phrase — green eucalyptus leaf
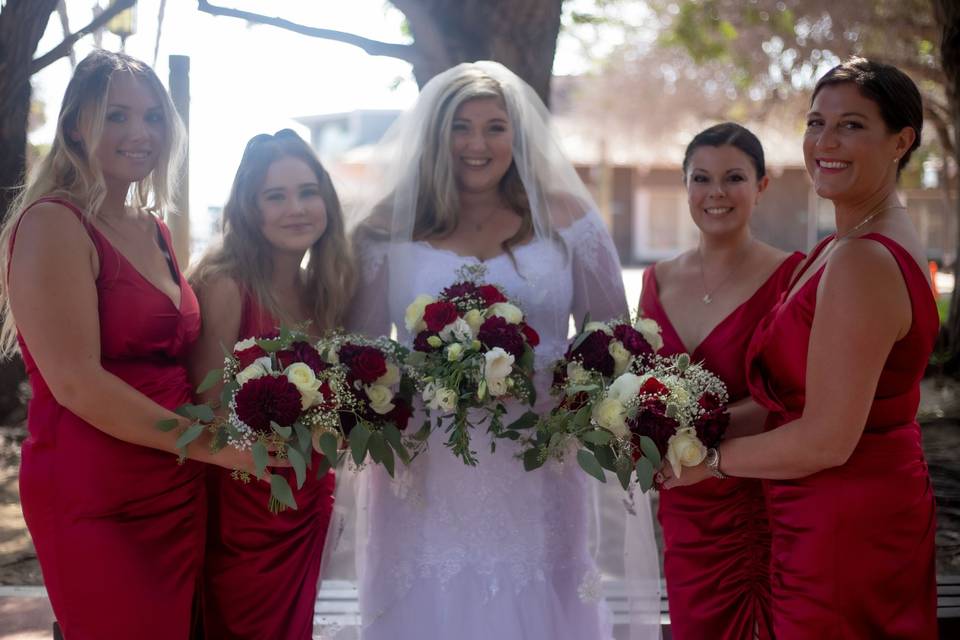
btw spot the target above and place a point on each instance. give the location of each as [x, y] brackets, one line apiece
[359, 437]
[299, 464]
[210, 380]
[645, 472]
[192, 433]
[280, 491]
[283, 432]
[329, 446]
[597, 436]
[588, 462]
[650, 451]
[168, 425]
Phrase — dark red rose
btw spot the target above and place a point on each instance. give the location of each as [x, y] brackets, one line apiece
[593, 353]
[653, 387]
[533, 338]
[267, 399]
[490, 294]
[420, 342]
[437, 315]
[366, 364]
[497, 332]
[247, 357]
[651, 420]
[400, 415]
[713, 422]
[632, 340]
[460, 290]
[301, 352]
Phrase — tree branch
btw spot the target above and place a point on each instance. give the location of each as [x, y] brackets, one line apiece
[66, 46]
[373, 47]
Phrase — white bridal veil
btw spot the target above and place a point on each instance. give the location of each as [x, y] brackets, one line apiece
[613, 530]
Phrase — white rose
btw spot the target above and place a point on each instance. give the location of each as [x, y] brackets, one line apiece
[302, 376]
[576, 374]
[507, 311]
[610, 414]
[497, 387]
[445, 400]
[684, 449]
[454, 352]
[380, 398]
[625, 388]
[598, 326]
[497, 365]
[474, 318]
[621, 357]
[413, 318]
[243, 345]
[259, 367]
[390, 378]
[456, 331]
[650, 331]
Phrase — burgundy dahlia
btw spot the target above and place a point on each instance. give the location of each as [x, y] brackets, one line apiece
[268, 399]
[420, 342]
[652, 421]
[497, 332]
[302, 352]
[594, 353]
[632, 340]
[713, 422]
[460, 290]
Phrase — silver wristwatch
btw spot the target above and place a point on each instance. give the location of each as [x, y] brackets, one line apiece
[713, 463]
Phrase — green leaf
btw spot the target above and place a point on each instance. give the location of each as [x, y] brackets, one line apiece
[280, 491]
[260, 458]
[359, 437]
[328, 445]
[198, 412]
[387, 458]
[210, 380]
[377, 446]
[531, 459]
[623, 474]
[299, 465]
[192, 433]
[168, 425]
[270, 346]
[526, 421]
[304, 438]
[283, 432]
[526, 359]
[395, 439]
[424, 432]
[645, 472]
[597, 436]
[605, 457]
[650, 450]
[582, 418]
[323, 468]
[588, 462]
[227, 393]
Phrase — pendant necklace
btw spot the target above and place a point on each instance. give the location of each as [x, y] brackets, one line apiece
[709, 293]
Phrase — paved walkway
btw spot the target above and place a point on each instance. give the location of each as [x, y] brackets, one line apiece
[25, 614]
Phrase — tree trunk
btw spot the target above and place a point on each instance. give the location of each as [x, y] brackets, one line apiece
[519, 35]
[947, 13]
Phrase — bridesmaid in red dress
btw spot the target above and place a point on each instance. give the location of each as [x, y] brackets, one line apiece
[708, 301]
[260, 576]
[838, 363]
[104, 321]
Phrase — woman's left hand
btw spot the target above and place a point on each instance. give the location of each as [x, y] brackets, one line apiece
[688, 476]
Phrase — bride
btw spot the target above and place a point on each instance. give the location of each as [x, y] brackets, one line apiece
[473, 176]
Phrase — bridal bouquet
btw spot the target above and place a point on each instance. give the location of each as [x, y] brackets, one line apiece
[373, 401]
[278, 391]
[472, 349]
[622, 407]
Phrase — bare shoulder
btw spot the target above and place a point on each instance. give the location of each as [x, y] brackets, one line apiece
[670, 269]
[863, 269]
[767, 258]
[219, 295]
[50, 226]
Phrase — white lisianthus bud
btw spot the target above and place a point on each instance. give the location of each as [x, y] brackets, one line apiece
[457, 331]
[446, 400]
[650, 331]
[380, 398]
[621, 357]
[684, 449]
[576, 374]
[473, 318]
[625, 388]
[390, 378]
[610, 414]
[679, 395]
[598, 326]
[435, 342]
[507, 311]
[413, 317]
[454, 352]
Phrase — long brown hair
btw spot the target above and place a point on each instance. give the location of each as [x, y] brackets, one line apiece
[246, 256]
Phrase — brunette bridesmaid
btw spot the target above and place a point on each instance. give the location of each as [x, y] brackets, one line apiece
[261, 570]
[838, 363]
[708, 302]
[104, 320]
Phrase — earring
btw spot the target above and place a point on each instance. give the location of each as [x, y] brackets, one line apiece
[896, 160]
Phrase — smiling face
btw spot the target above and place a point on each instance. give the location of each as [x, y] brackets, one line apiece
[481, 144]
[293, 215]
[134, 131]
[722, 189]
[849, 152]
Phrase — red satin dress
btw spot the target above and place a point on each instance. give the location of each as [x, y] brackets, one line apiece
[853, 546]
[118, 527]
[260, 577]
[716, 537]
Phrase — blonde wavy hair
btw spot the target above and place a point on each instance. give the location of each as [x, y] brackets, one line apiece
[246, 256]
[71, 169]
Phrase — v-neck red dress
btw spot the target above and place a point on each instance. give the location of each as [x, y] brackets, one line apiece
[118, 528]
[853, 551]
[261, 571]
[715, 533]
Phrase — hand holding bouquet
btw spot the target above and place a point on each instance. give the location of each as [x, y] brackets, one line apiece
[472, 350]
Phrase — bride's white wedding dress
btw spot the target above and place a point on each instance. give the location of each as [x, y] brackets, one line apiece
[493, 552]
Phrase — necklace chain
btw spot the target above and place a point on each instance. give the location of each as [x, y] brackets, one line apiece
[708, 293]
[838, 237]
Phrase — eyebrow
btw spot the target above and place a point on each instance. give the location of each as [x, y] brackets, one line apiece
[128, 107]
[842, 115]
[497, 119]
[695, 169]
[299, 186]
